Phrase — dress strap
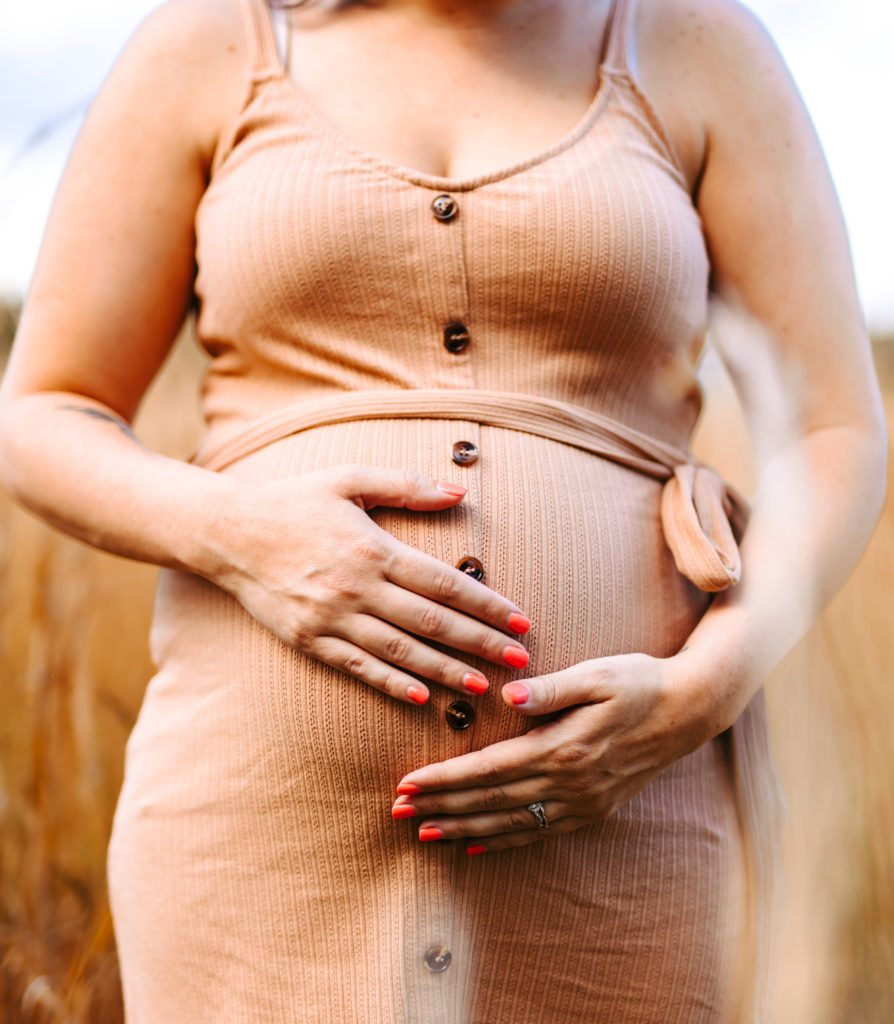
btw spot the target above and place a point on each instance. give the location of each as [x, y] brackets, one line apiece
[265, 52]
[619, 40]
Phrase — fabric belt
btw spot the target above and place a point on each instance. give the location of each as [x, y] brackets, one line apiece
[702, 516]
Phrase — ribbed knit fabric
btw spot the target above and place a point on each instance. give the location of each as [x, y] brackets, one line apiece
[255, 872]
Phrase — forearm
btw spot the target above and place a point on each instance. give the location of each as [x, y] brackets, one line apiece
[816, 505]
[76, 464]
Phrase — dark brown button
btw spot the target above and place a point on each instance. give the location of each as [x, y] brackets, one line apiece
[471, 566]
[456, 337]
[460, 715]
[465, 453]
[444, 207]
[437, 959]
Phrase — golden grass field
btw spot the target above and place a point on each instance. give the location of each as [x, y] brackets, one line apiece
[74, 662]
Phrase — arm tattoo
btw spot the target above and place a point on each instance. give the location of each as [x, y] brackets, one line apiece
[98, 414]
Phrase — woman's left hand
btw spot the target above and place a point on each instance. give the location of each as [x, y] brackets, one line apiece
[621, 721]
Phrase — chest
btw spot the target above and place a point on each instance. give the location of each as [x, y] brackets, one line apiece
[454, 103]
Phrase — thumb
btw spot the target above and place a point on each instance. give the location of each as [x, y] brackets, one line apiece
[397, 488]
[586, 683]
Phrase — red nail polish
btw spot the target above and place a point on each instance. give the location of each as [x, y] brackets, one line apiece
[519, 623]
[403, 811]
[417, 694]
[408, 789]
[518, 693]
[516, 657]
[471, 850]
[429, 835]
[474, 682]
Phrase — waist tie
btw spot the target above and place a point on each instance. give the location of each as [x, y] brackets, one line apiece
[701, 515]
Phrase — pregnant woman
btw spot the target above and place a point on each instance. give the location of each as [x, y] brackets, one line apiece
[457, 715]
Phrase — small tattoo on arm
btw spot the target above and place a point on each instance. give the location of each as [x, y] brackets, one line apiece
[98, 414]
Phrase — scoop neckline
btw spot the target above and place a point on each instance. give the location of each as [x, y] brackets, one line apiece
[434, 181]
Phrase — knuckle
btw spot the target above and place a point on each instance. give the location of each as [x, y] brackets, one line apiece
[493, 799]
[572, 756]
[300, 636]
[393, 684]
[412, 480]
[547, 691]
[488, 772]
[576, 787]
[520, 818]
[354, 664]
[366, 548]
[442, 671]
[397, 648]
[431, 621]
[445, 586]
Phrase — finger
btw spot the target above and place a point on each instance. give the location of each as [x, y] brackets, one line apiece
[509, 840]
[421, 574]
[353, 660]
[518, 819]
[395, 488]
[471, 801]
[412, 655]
[503, 762]
[433, 621]
[587, 683]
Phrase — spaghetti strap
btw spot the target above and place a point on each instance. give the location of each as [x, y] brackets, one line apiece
[618, 46]
[264, 51]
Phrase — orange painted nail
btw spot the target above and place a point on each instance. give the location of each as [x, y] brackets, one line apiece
[417, 694]
[516, 657]
[403, 811]
[518, 693]
[429, 835]
[519, 623]
[474, 682]
[454, 490]
[408, 789]
[476, 849]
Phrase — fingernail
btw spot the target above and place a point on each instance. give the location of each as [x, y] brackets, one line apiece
[519, 623]
[474, 682]
[471, 850]
[454, 490]
[403, 811]
[408, 789]
[417, 694]
[429, 835]
[516, 657]
[518, 693]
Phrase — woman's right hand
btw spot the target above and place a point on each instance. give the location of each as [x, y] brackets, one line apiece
[305, 559]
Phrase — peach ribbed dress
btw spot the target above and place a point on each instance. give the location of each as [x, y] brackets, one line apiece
[551, 314]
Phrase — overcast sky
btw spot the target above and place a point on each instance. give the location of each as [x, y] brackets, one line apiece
[54, 54]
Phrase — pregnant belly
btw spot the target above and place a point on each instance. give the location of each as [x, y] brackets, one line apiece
[256, 770]
[574, 539]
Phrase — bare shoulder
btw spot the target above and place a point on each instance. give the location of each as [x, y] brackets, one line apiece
[708, 66]
[188, 58]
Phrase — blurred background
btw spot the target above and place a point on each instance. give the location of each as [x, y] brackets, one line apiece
[73, 622]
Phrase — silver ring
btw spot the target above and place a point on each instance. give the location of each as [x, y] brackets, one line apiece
[539, 814]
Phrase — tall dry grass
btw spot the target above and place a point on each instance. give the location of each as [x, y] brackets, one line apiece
[74, 662]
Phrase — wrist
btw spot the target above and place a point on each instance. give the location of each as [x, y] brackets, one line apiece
[218, 520]
[711, 688]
